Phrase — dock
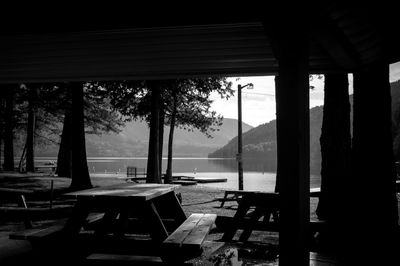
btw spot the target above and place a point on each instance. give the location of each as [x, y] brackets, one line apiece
[184, 182]
[209, 179]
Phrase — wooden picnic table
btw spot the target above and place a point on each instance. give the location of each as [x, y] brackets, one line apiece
[259, 204]
[122, 201]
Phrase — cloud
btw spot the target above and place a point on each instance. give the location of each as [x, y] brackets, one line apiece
[394, 72]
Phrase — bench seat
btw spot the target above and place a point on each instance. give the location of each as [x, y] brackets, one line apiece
[187, 240]
[39, 232]
[43, 232]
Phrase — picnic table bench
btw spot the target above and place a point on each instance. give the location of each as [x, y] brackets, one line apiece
[187, 240]
[181, 245]
[18, 196]
[40, 233]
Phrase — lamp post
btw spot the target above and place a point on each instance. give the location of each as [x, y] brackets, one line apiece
[239, 156]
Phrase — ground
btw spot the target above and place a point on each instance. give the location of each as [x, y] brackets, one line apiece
[260, 250]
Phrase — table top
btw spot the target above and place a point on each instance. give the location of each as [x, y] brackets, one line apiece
[132, 191]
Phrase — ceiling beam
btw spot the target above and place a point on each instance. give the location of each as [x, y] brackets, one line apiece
[334, 41]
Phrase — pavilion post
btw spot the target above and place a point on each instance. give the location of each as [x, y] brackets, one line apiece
[293, 142]
[372, 207]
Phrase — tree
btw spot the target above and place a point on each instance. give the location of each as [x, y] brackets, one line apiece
[79, 168]
[98, 118]
[9, 128]
[192, 108]
[30, 130]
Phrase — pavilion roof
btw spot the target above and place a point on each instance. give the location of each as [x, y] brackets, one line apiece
[185, 44]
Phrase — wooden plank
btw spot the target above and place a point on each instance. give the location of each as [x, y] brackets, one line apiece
[193, 231]
[179, 235]
[143, 192]
[15, 191]
[121, 258]
[197, 236]
[38, 233]
[184, 182]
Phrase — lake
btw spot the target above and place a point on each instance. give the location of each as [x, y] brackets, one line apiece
[255, 176]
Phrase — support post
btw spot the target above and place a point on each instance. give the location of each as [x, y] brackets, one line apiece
[372, 206]
[290, 43]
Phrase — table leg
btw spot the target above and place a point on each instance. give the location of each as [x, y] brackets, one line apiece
[78, 217]
[243, 208]
[121, 223]
[106, 222]
[175, 208]
[223, 200]
[156, 227]
[254, 217]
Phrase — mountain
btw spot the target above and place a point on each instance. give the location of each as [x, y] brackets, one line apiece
[260, 142]
[133, 141]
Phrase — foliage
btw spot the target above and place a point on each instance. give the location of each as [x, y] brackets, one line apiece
[132, 100]
[52, 101]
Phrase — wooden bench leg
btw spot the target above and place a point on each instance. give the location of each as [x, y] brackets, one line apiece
[78, 217]
[224, 199]
[255, 216]
[243, 208]
[22, 203]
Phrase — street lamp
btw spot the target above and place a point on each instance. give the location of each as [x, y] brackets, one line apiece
[239, 155]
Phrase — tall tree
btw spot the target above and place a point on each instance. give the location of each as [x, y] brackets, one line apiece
[79, 170]
[168, 174]
[335, 143]
[9, 128]
[153, 161]
[30, 131]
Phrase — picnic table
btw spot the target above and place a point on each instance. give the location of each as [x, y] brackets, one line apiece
[259, 204]
[115, 213]
[121, 201]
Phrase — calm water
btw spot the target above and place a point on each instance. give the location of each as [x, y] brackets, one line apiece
[254, 177]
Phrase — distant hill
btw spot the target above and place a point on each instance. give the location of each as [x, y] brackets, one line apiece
[133, 141]
[260, 143]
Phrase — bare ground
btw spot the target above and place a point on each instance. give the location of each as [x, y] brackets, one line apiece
[260, 250]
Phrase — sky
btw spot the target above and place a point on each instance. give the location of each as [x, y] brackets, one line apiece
[258, 104]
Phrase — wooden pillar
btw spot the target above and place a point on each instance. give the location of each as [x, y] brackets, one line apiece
[278, 140]
[153, 159]
[372, 205]
[291, 49]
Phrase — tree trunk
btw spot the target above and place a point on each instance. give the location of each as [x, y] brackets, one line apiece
[161, 132]
[65, 151]
[153, 160]
[168, 175]
[371, 213]
[335, 143]
[30, 131]
[9, 130]
[79, 171]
